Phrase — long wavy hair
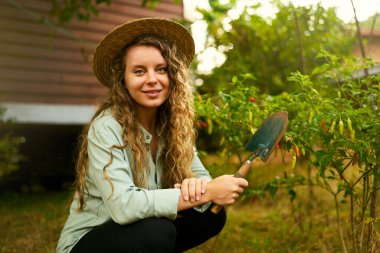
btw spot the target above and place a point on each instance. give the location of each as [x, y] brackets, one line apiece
[174, 123]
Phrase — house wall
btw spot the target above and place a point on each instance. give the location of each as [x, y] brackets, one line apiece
[371, 44]
[43, 66]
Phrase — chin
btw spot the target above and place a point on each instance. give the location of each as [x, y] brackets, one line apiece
[154, 104]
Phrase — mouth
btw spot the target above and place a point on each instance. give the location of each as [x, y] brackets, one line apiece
[151, 92]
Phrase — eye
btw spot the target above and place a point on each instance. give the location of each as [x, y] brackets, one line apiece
[139, 71]
[162, 69]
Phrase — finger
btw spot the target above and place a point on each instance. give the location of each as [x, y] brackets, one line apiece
[242, 182]
[192, 189]
[185, 189]
[230, 202]
[177, 186]
[239, 190]
[204, 185]
[198, 189]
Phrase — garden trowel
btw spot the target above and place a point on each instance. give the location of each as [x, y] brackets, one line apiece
[262, 143]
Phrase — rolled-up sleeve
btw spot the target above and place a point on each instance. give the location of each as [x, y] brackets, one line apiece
[124, 201]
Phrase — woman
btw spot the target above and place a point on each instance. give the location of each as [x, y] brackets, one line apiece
[140, 186]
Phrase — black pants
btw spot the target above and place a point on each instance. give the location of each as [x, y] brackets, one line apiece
[153, 235]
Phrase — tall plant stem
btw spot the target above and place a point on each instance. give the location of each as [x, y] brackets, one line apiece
[363, 210]
[375, 187]
[339, 225]
[311, 196]
[352, 221]
[373, 206]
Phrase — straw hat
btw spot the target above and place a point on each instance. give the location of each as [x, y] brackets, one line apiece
[111, 45]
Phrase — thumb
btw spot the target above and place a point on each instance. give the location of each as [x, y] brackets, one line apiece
[177, 186]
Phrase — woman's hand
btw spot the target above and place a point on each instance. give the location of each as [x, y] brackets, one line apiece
[192, 188]
[224, 190]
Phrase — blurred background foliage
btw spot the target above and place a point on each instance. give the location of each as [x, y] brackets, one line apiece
[272, 48]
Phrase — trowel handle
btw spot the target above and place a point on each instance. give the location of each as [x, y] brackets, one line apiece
[244, 169]
[241, 173]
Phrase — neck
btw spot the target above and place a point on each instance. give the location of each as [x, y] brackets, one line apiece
[147, 119]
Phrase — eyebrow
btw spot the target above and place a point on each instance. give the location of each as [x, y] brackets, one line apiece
[137, 66]
[143, 66]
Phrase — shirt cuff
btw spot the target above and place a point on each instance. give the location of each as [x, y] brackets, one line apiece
[166, 203]
[203, 207]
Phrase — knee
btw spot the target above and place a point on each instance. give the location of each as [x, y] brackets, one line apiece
[219, 221]
[159, 236]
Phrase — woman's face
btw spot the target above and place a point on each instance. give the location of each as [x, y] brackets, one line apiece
[146, 76]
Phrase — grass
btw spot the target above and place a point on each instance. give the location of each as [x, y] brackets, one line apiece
[32, 223]
[270, 226]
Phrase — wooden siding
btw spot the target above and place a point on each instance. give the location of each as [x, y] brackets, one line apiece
[41, 63]
[372, 44]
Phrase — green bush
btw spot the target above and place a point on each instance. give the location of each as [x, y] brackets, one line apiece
[9, 148]
[334, 125]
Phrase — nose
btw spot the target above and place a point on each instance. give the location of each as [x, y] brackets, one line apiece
[152, 77]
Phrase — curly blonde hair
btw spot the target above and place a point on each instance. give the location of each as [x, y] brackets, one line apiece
[175, 123]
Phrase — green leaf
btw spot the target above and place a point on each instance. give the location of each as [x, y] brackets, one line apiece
[323, 159]
[292, 194]
[272, 189]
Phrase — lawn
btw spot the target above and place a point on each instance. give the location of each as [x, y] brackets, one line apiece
[32, 222]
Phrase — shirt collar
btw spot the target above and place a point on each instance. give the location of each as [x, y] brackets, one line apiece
[147, 136]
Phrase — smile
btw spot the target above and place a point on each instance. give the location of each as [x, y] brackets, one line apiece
[152, 91]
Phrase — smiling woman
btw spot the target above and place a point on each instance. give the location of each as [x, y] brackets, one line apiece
[137, 166]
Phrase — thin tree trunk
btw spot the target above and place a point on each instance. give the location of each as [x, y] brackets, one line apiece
[359, 34]
[300, 42]
[371, 33]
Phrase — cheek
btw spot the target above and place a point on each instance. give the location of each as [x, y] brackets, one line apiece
[129, 89]
[130, 82]
[166, 80]
[163, 77]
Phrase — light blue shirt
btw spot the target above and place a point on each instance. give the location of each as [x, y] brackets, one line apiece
[127, 203]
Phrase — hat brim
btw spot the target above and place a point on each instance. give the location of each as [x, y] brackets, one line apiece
[111, 45]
